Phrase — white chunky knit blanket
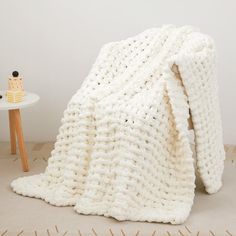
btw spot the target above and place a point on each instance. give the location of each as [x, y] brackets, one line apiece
[123, 149]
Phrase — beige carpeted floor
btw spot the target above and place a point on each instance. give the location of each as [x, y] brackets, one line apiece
[211, 214]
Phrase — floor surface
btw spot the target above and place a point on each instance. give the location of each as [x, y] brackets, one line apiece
[21, 216]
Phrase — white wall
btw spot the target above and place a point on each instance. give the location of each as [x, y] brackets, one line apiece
[53, 44]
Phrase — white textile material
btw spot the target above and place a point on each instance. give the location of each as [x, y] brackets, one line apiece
[123, 149]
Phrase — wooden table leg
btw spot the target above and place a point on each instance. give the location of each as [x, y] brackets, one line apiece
[12, 131]
[20, 138]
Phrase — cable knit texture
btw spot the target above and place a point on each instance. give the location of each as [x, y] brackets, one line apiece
[123, 149]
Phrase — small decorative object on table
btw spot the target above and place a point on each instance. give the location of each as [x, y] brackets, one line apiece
[15, 92]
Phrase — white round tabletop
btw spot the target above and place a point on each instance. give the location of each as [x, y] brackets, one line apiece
[29, 100]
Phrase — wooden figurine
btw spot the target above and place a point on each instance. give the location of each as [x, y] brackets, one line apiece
[15, 92]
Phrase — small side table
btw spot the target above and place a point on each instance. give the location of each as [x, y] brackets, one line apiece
[15, 123]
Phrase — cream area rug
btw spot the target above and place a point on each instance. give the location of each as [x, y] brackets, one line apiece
[211, 214]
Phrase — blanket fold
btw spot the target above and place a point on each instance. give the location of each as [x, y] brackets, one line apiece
[123, 150]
